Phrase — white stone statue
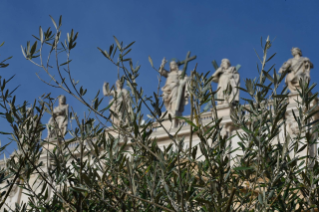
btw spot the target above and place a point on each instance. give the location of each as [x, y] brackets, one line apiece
[227, 76]
[121, 103]
[298, 68]
[175, 92]
[58, 123]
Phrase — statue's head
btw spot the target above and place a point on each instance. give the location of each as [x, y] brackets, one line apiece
[173, 65]
[225, 63]
[296, 51]
[62, 100]
[119, 84]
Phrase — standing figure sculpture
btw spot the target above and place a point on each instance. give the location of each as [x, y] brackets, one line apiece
[121, 103]
[58, 123]
[227, 78]
[298, 68]
[175, 92]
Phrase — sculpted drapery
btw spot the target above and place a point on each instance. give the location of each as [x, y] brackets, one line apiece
[227, 76]
[297, 68]
[121, 103]
[175, 93]
[58, 123]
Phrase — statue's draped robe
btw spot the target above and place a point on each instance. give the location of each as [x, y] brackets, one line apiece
[174, 101]
[297, 68]
[224, 78]
[58, 125]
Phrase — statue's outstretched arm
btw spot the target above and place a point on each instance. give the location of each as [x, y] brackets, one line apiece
[107, 91]
[285, 67]
[163, 72]
[217, 74]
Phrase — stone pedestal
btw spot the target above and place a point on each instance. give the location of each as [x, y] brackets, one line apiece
[223, 110]
[292, 127]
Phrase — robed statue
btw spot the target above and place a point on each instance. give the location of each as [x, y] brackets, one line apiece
[58, 123]
[175, 91]
[228, 81]
[121, 103]
[297, 68]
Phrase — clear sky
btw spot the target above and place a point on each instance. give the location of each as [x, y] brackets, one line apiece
[210, 29]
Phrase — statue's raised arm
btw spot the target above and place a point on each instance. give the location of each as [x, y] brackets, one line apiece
[217, 74]
[107, 91]
[162, 71]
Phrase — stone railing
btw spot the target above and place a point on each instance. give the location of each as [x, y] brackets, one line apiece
[74, 144]
[206, 117]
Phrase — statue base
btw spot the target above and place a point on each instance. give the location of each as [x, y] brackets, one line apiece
[223, 110]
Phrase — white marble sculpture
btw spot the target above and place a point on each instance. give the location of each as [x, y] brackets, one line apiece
[227, 78]
[58, 123]
[298, 68]
[121, 103]
[175, 92]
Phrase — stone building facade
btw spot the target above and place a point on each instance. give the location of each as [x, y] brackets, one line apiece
[175, 96]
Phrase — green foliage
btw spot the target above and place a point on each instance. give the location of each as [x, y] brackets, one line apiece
[123, 168]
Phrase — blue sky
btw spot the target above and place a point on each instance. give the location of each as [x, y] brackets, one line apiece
[212, 30]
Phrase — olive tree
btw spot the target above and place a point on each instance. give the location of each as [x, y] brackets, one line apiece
[100, 174]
